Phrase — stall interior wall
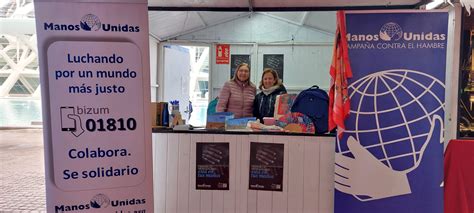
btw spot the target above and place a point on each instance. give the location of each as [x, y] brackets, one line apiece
[304, 66]
[308, 175]
[307, 50]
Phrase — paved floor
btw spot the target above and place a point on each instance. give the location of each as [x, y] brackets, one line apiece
[22, 171]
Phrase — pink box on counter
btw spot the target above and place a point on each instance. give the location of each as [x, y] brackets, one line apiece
[269, 121]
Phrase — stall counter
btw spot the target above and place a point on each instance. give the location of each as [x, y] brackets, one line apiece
[308, 173]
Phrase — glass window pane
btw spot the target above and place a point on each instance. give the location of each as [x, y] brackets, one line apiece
[33, 81]
[2, 79]
[19, 88]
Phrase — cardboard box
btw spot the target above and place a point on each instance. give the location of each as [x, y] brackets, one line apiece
[154, 112]
[159, 110]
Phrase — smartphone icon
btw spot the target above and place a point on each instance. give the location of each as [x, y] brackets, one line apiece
[67, 124]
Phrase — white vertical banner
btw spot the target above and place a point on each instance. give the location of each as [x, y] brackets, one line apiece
[94, 69]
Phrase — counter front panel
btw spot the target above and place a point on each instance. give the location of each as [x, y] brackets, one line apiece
[308, 175]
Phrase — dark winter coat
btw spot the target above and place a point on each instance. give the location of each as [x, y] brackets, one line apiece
[264, 105]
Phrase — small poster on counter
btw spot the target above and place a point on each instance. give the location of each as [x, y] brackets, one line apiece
[212, 166]
[266, 166]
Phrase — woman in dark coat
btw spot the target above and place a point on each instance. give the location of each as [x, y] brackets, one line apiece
[270, 86]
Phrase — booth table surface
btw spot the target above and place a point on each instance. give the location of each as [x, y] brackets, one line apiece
[459, 177]
[308, 174]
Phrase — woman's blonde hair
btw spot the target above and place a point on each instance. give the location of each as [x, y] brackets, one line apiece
[275, 76]
[237, 70]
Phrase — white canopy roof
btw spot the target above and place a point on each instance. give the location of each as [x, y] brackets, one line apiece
[256, 5]
[165, 25]
[172, 18]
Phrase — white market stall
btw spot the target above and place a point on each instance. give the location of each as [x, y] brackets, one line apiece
[309, 186]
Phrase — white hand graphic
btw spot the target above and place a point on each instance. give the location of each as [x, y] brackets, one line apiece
[78, 123]
[384, 36]
[365, 175]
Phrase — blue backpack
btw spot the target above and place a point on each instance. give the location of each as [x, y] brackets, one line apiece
[314, 103]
